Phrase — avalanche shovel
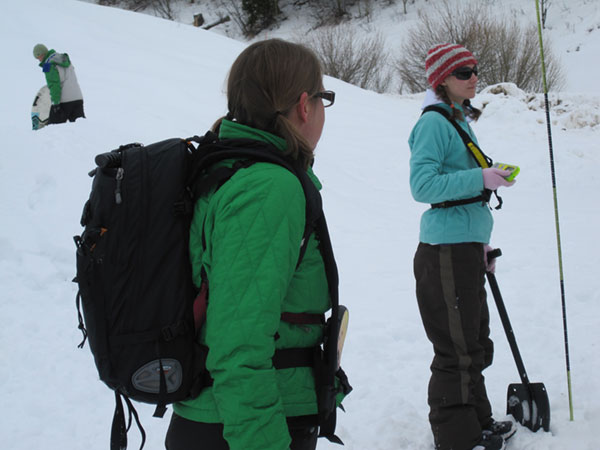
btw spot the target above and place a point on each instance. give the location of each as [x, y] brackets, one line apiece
[526, 402]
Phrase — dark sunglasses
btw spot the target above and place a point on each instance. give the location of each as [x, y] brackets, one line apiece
[464, 73]
[327, 96]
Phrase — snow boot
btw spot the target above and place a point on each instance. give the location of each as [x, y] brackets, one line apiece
[505, 429]
[490, 442]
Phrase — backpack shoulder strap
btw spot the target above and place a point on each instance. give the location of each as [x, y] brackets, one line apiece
[247, 152]
[481, 158]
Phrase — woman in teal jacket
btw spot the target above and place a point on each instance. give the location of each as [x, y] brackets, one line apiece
[450, 261]
[252, 228]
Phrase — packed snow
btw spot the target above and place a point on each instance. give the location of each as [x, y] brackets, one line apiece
[146, 79]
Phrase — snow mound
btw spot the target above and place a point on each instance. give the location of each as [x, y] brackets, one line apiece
[567, 111]
[505, 89]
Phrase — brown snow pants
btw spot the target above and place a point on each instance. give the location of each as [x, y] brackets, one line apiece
[452, 301]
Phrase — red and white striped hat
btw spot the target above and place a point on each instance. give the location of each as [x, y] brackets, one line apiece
[443, 59]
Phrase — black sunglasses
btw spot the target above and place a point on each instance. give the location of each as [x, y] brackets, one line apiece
[327, 96]
[464, 73]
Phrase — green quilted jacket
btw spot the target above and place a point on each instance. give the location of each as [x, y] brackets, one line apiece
[253, 226]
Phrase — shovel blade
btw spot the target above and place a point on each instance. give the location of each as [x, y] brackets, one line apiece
[529, 405]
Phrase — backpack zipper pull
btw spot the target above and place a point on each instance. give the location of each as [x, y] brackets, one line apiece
[119, 178]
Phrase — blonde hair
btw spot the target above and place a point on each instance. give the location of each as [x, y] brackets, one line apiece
[265, 82]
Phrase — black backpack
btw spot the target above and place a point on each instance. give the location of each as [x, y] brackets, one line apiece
[135, 277]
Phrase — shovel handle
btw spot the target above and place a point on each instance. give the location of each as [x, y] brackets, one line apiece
[492, 254]
[510, 335]
[536, 395]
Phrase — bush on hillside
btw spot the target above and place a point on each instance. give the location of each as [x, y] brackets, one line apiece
[329, 11]
[162, 8]
[348, 57]
[252, 16]
[333, 12]
[259, 14]
[506, 51]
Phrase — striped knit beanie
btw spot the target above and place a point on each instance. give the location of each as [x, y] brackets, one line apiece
[443, 59]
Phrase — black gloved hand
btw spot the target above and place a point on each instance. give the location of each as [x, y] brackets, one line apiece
[56, 114]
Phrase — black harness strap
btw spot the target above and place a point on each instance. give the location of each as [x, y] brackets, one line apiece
[449, 203]
[248, 152]
[287, 358]
[118, 435]
[481, 159]
[303, 318]
[326, 364]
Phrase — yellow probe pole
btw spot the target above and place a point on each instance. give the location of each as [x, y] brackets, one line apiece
[560, 264]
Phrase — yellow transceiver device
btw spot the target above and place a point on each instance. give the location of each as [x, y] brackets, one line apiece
[514, 170]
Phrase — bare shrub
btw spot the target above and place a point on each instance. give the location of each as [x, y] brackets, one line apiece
[132, 5]
[252, 16]
[505, 50]
[356, 60]
[544, 5]
[234, 9]
[405, 2]
[333, 12]
[328, 12]
[162, 8]
[260, 14]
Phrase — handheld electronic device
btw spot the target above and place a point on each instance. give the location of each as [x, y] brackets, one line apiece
[514, 170]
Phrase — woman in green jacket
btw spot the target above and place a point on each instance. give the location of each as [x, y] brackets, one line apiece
[450, 261]
[246, 237]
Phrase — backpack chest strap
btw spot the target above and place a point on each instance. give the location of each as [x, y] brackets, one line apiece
[303, 318]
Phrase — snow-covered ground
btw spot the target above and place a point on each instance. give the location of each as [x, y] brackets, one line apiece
[146, 79]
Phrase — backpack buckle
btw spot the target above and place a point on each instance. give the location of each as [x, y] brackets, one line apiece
[172, 331]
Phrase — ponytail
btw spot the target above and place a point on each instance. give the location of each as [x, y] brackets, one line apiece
[470, 111]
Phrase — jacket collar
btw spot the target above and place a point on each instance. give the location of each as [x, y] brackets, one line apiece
[235, 130]
[431, 98]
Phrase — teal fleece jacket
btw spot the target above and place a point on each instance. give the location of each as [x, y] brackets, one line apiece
[253, 226]
[441, 168]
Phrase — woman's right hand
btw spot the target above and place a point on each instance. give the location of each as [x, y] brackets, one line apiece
[490, 265]
[494, 178]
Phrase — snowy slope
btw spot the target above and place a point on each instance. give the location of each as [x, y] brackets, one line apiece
[572, 29]
[146, 79]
